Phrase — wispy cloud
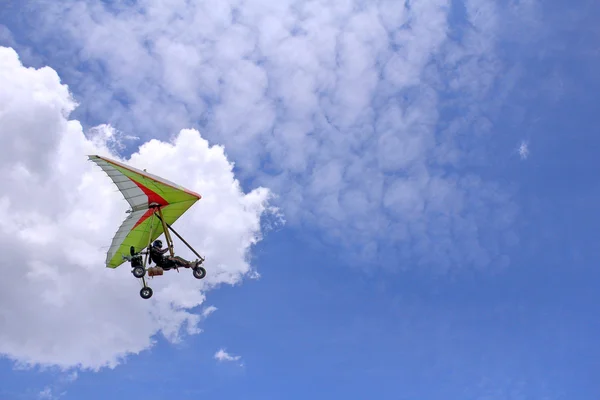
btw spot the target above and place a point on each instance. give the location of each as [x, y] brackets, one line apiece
[70, 377]
[49, 393]
[224, 356]
[46, 394]
[208, 310]
[57, 390]
[524, 150]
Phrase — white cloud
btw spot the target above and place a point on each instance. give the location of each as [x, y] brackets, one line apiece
[208, 310]
[58, 213]
[46, 393]
[223, 355]
[524, 150]
[70, 377]
[334, 105]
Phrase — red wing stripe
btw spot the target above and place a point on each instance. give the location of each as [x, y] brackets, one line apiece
[153, 197]
[144, 217]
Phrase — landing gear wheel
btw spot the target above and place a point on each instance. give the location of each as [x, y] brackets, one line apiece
[138, 272]
[146, 292]
[199, 272]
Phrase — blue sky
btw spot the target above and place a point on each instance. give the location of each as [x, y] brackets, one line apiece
[423, 257]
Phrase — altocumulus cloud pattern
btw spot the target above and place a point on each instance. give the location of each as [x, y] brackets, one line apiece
[366, 118]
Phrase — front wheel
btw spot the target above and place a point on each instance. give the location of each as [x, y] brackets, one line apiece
[199, 272]
[146, 292]
[139, 272]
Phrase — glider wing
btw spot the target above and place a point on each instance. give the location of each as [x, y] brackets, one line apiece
[141, 190]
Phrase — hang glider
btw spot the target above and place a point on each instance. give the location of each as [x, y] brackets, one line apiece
[156, 204]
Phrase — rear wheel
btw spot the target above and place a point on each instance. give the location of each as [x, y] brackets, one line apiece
[146, 292]
[199, 272]
[138, 272]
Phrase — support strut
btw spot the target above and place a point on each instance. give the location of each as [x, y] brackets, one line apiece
[149, 240]
[167, 235]
[180, 238]
[147, 252]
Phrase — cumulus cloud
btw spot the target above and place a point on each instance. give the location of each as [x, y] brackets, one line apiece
[58, 213]
[355, 113]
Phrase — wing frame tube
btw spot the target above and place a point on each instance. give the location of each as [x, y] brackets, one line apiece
[182, 239]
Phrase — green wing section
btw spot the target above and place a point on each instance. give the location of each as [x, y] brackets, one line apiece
[142, 191]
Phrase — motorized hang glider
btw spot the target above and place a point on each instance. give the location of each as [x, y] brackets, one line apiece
[156, 204]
